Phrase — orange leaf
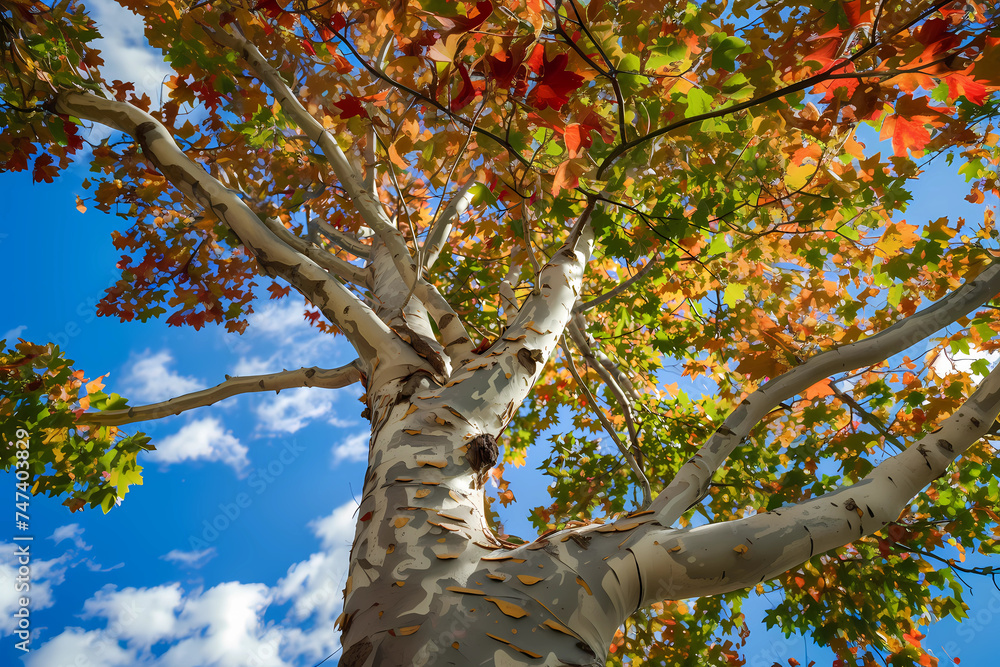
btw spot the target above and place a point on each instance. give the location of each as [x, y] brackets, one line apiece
[907, 135]
[818, 390]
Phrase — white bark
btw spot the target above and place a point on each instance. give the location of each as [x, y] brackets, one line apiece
[726, 556]
[691, 482]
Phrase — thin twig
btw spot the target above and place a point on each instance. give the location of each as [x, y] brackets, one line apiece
[647, 495]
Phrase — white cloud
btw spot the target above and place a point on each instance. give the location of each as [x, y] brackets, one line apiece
[12, 335]
[201, 439]
[282, 319]
[292, 342]
[141, 616]
[72, 531]
[293, 409]
[66, 648]
[192, 559]
[149, 379]
[126, 54]
[336, 530]
[252, 366]
[219, 627]
[45, 574]
[353, 448]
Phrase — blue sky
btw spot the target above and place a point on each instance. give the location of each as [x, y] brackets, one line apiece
[234, 550]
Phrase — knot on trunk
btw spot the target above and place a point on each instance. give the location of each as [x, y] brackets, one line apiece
[481, 453]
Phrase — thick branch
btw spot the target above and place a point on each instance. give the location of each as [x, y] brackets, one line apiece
[691, 482]
[350, 179]
[363, 329]
[346, 241]
[731, 555]
[327, 378]
[441, 228]
[334, 265]
[503, 375]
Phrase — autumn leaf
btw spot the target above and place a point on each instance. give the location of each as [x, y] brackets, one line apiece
[818, 390]
[43, 169]
[555, 83]
[351, 106]
[908, 136]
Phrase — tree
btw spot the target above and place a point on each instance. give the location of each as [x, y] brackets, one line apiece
[501, 205]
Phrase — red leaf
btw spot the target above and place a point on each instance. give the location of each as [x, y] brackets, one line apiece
[43, 171]
[337, 22]
[468, 91]
[350, 106]
[964, 85]
[308, 47]
[853, 10]
[555, 83]
[277, 291]
[576, 135]
[507, 68]
[475, 18]
[270, 7]
[73, 140]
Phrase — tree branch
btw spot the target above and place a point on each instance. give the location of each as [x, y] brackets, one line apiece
[730, 555]
[334, 265]
[233, 386]
[346, 241]
[618, 289]
[583, 342]
[442, 225]
[504, 374]
[609, 427]
[691, 482]
[343, 308]
[353, 182]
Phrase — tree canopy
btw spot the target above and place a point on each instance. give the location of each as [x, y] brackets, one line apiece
[737, 338]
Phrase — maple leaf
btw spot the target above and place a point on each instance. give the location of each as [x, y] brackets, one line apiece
[907, 135]
[74, 141]
[575, 136]
[963, 85]
[351, 106]
[475, 18]
[555, 84]
[205, 91]
[43, 171]
[852, 8]
[270, 7]
[818, 390]
[506, 68]
[277, 291]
